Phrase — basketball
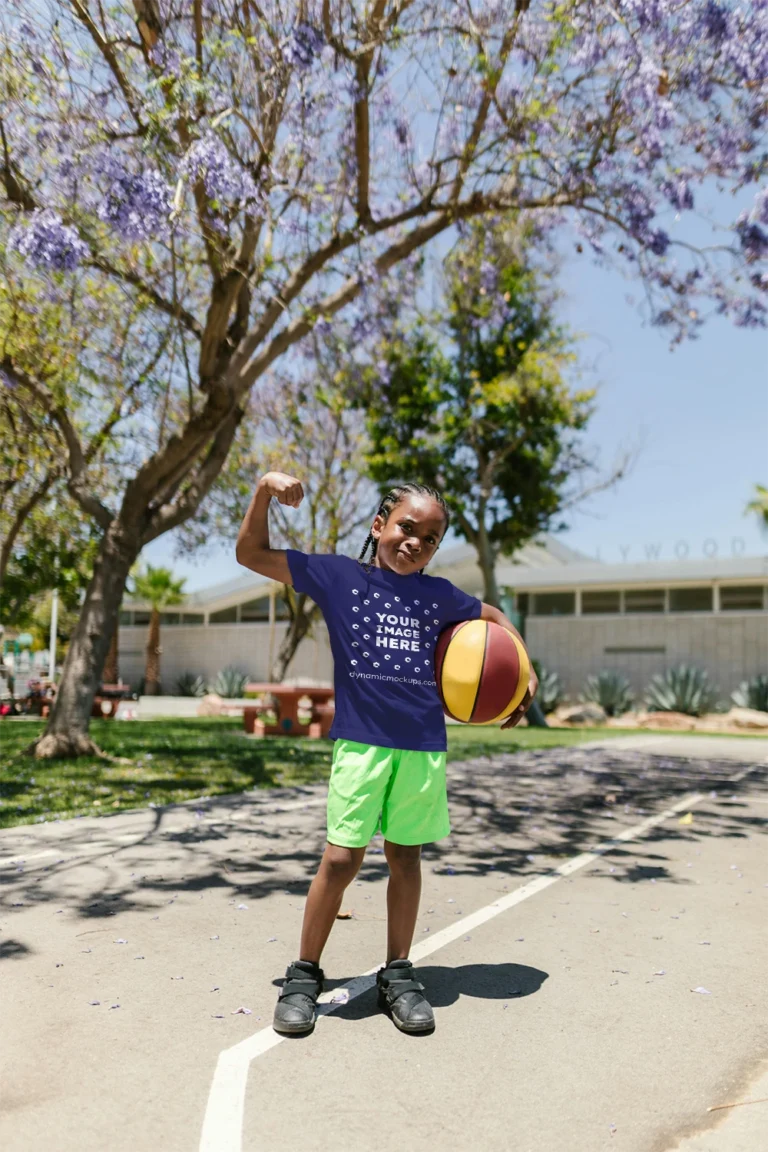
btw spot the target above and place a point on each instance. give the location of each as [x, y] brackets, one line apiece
[482, 671]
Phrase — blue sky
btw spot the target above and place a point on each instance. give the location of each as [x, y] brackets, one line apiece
[697, 416]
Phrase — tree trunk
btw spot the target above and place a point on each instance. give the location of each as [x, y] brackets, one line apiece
[152, 668]
[487, 559]
[111, 673]
[66, 733]
[300, 626]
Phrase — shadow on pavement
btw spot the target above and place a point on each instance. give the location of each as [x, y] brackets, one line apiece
[444, 986]
[514, 816]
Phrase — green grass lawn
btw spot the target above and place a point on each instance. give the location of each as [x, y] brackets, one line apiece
[172, 760]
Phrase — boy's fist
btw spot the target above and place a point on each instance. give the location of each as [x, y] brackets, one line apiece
[286, 489]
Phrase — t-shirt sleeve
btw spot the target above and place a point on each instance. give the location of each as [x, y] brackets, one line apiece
[312, 573]
[458, 605]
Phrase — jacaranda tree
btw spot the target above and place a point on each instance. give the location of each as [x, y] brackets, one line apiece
[248, 169]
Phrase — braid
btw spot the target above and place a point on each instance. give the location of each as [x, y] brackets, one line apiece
[391, 500]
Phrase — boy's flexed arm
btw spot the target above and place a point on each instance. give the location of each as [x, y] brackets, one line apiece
[498, 617]
[252, 549]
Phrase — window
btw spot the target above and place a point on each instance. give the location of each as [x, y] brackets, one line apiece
[126, 618]
[521, 601]
[170, 617]
[644, 600]
[141, 617]
[554, 604]
[690, 599]
[255, 610]
[595, 602]
[746, 598]
[186, 618]
[226, 616]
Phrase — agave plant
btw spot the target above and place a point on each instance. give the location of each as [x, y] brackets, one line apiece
[752, 694]
[610, 690]
[550, 691]
[190, 685]
[230, 682]
[682, 689]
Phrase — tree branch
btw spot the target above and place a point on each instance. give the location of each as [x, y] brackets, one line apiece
[76, 481]
[190, 322]
[107, 52]
[170, 516]
[22, 513]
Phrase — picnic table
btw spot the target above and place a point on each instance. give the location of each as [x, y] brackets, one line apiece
[286, 699]
[107, 698]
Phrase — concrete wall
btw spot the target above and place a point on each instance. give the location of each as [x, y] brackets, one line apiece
[205, 650]
[729, 646]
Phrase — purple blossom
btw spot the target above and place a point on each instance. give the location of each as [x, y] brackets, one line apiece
[138, 205]
[679, 194]
[760, 208]
[224, 178]
[48, 243]
[714, 19]
[303, 47]
[754, 241]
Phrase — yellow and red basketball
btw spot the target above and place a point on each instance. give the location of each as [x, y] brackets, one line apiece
[482, 671]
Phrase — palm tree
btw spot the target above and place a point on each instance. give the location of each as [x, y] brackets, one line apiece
[155, 586]
[760, 504]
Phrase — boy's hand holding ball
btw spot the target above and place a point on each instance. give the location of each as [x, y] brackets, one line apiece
[525, 703]
[286, 489]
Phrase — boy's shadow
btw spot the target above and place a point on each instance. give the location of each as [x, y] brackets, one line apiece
[443, 986]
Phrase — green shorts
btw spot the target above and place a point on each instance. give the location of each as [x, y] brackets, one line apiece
[401, 792]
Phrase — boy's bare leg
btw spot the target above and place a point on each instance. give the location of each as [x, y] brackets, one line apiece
[403, 896]
[337, 870]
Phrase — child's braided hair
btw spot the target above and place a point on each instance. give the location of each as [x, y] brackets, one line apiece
[391, 500]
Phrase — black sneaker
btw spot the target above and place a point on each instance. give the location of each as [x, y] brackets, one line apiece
[400, 994]
[295, 1008]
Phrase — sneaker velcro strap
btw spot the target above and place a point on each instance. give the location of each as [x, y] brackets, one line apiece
[395, 988]
[308, 987]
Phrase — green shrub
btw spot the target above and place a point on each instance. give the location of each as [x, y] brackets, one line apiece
[610, 690]
[191, 685]
[682, 689]
[230, 682]
[550, 691]
[752, 694]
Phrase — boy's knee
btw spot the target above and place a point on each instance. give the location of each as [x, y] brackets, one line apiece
[343, 863]
[403, 857]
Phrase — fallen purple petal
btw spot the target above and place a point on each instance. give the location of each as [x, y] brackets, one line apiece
[241, 1012]
[120, 941]
[703, 991]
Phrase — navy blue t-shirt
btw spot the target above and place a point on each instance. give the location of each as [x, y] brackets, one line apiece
[383, 628]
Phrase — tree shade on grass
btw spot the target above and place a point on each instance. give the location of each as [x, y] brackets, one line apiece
[174, 760]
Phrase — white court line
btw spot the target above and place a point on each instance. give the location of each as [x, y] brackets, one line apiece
[223, 1121]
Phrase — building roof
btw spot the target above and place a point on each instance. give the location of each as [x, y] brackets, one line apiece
[739, 568]
[455, 562]
[544, 563]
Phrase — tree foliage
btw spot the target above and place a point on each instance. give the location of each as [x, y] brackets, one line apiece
[478, 402]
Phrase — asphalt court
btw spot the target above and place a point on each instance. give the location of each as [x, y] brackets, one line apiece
[567, 1021]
